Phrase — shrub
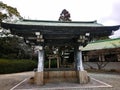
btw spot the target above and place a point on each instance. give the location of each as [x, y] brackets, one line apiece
[13, 66]
[54, 63]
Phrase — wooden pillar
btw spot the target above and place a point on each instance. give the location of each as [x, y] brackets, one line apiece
[49, 63]
[103, 57]
[86, 58]
[38, 79]
[58, 62]
[82, 74]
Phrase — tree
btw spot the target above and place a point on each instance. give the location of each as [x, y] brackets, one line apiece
[64, 16]
[8, 13]
[11, 46]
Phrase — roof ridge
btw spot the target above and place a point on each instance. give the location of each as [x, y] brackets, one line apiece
[27, 20]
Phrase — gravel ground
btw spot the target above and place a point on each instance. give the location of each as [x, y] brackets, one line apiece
[7, 81]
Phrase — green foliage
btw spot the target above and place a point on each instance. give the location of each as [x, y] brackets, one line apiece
[46, 64]
[13, 47]
[53, 63]
[2, 16]
[11, 11]
[13, 66]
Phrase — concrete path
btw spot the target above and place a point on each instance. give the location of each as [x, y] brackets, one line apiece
[9, 81]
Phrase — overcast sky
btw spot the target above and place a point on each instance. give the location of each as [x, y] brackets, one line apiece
[106, 12]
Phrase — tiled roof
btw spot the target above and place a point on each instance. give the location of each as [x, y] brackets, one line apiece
[103, 44]
[58, 23]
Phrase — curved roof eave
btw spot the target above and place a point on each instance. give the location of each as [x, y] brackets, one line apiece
[57, 25]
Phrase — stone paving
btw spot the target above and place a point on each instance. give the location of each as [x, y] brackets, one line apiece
[8, 81]
[62, 85]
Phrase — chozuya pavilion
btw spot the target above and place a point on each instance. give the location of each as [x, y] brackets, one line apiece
[59, 34]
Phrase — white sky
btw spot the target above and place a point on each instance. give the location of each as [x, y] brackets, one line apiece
[102, 10]
[106, 12]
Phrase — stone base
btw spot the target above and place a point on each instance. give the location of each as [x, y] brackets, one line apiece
[38, 78]
[53, 76]
[60, 76]
[83, 77]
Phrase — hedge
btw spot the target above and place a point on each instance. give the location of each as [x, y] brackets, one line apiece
[13, 66]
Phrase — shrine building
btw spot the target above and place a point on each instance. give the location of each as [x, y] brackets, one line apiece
[65, 39]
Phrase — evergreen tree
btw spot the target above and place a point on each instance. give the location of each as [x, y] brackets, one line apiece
[64, 16]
